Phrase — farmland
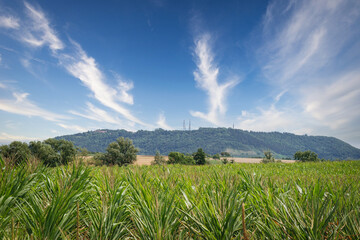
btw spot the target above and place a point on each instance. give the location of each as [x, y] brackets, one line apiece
[234, 201]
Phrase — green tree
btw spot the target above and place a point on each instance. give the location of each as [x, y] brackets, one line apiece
[306, 156]
[180, 158]
[216, 156]
[158, 159]
[45, 153]
[16, 151]
[120, 152]
[268, 158]
[65, 149]
[199, 157]
[225, 154]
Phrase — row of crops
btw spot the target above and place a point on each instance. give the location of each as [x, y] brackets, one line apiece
[239, 201]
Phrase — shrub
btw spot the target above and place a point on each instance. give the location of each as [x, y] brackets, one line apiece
[216, 156]
[158, 159]
[121, 152]
[306, 156]
[225, 154]
[180, 158]
[45, 153]
[17, 152]
[268, 158]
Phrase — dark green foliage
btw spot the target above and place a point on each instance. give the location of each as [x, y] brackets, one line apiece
[121, 152]
[199, 157]
[66, 149]
[51, 152]
[307, 156]
[225, 154]
[180, 158]
[216, 140]
[17, 152]
[45, 153]
[216, 156]
[268, 158]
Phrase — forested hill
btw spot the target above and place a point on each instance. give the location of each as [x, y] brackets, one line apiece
[215, 140]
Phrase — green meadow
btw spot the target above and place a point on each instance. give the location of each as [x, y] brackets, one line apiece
[235, 201]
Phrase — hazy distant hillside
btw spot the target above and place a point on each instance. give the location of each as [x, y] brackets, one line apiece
[215, 140]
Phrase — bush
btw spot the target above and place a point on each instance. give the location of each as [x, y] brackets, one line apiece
[158, 159]
[216, 156]
[225, 154]
[17, 152]
[121, 152]
[268, 158]
[45, 153]
[306, 156]
[199, 157]
[225, 161]
[180, 158]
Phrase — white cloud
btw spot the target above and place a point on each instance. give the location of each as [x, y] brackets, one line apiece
[86, 70]
[337, 103]
[306, 38]
[266, 120]
[123, 88]
[75, 128]
[39, 32]
[311, 52]
[9, 22]
[21, 105]
[7, 138]
[206, 77]
[97, 114]
[162, 122]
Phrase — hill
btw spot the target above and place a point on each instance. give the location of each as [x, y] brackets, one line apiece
[215, 140]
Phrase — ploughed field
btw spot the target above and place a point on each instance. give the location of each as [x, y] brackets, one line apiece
[234, 201]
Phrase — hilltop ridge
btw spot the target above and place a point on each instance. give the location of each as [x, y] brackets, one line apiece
[238, 142]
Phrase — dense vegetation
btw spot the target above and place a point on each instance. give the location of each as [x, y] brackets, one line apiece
[234, 201]
[51, 152]
[216, 140]
[121, 152]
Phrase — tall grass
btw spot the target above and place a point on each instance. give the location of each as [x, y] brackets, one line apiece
[238, 201]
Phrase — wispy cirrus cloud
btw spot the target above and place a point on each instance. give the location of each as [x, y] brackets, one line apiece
[206, 76]
[6, 138]
[85, 68]
[75, 128]
[9, 22]
[97, 114]
[310, 49]
[21, 105]
[335, 104]
[38, 31]
[162, 122]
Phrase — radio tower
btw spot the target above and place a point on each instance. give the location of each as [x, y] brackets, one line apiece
[184, 127]
[189, 125]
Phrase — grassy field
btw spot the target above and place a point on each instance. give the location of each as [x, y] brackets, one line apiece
[233, 201]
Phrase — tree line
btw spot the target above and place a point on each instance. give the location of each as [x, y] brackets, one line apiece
[238, 142]
[54, 152]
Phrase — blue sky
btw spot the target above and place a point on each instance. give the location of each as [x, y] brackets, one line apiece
[73, 66]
